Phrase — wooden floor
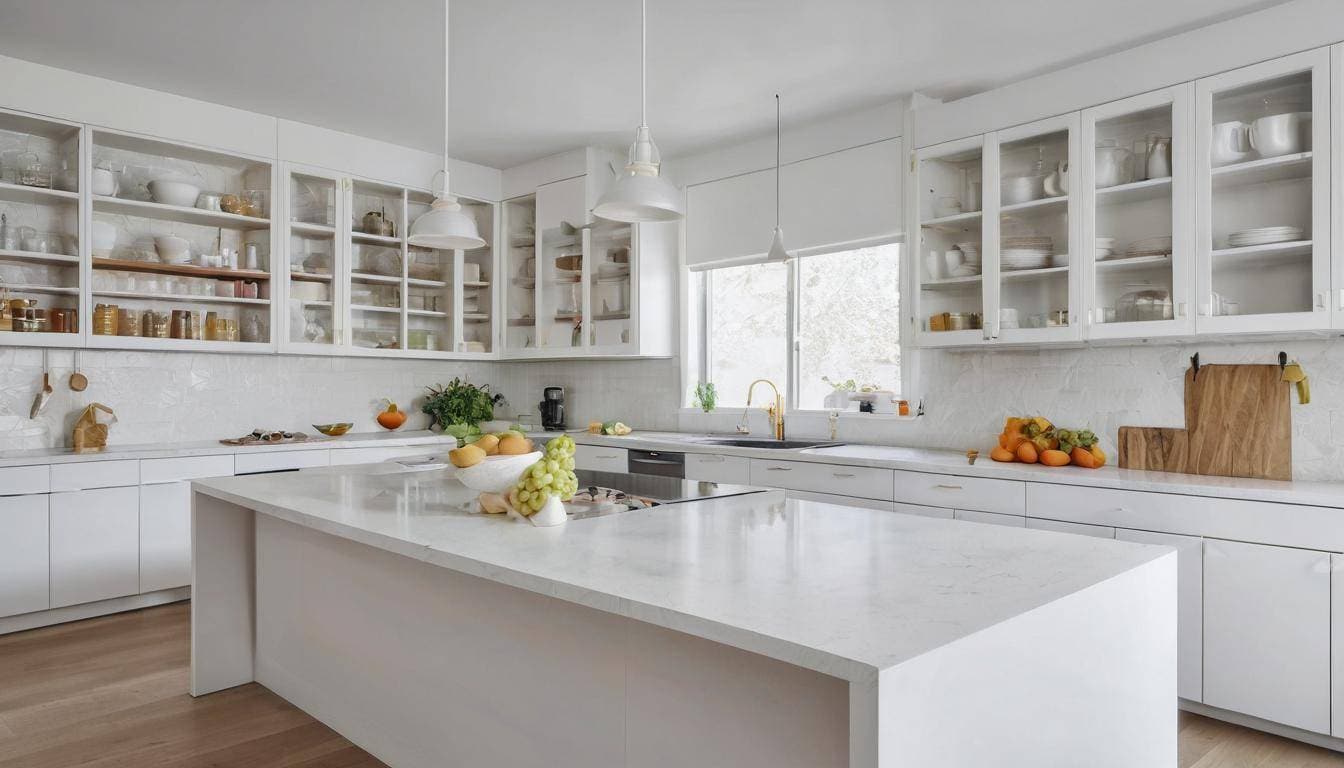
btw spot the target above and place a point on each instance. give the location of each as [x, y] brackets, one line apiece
[113, 692]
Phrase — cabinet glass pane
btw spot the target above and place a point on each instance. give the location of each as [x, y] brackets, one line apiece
[312, 259]
[429, 288]
[1261, 201]
[561, 264]
[1133, 244]
[520, 267]
[477, 278]
[39, 227]
[609, 284]
[1034, 232]
[176, 232]
[376, 265]
[949, 258]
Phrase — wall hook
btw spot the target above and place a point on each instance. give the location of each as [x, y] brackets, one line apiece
[1194, 363]
[1283, 360]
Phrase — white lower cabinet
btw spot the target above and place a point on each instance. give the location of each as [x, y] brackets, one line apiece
[844, 501]
[923, 511]
[165, 536]
[1082, 529]
[600, 458]
[1189, 606]
[24, 563]
[95, 545]
[857, 482]
[1337, 645]
[1267, 632]
[993, 518]
[714, 468]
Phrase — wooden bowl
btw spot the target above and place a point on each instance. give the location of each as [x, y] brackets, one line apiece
[333, 430]
[571, 263]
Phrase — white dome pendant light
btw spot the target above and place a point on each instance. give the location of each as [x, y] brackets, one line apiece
[446, 227]
[777, 252]
[640, 194]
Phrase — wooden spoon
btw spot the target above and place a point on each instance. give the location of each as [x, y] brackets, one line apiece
[78, 381]
[43, 394]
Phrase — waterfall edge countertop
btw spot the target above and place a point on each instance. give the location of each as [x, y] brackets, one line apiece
[840, 590]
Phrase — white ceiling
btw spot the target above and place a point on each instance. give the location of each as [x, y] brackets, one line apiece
[535, 77]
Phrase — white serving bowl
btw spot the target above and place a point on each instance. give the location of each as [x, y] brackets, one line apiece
[172, 249]
[104, 239]
[174, 192]
[497, 473]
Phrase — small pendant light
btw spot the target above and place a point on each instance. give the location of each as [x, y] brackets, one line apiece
[445, 226]
[640, 194]
[777, 252]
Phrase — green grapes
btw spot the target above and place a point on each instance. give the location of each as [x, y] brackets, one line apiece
[551, 475]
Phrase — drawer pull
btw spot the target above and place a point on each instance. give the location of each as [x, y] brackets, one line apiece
[946, 487]
[779, 469]
[607, 457]
[842, 474]
[710, 459]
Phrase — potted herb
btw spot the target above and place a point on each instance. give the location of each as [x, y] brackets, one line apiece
[839, 398]
[459, 408]
[705, 396]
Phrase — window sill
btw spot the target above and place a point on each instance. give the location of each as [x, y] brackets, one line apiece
[736, 412]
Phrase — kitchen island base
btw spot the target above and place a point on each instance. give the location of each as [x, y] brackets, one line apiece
[422, 665]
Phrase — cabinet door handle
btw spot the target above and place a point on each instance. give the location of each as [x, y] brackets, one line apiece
[1320, 302]
[946, 487]
[1180, 309]
[710, 459]
[779, 469]
[607, 457]
[842, 474]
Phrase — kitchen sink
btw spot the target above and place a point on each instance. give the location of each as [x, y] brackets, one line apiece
[763, 442]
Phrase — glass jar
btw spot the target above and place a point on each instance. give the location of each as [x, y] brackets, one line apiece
[1143, 303]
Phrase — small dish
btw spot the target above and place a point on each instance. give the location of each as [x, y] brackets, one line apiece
[334, 430]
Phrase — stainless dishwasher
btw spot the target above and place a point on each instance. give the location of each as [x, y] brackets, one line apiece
[663, 463]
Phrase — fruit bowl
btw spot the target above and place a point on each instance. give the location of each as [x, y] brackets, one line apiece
[498, 473]
[333, 430]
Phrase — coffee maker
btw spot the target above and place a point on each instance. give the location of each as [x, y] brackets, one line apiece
[553, 408]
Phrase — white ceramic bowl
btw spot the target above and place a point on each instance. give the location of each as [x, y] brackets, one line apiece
[104, 239]
[497, 473]
[172, 249]
[174, 192]
[1022, 189]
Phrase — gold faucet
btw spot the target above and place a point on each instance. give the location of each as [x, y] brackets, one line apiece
[774, 411]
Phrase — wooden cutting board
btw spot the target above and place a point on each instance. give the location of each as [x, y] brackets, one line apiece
[1238, 424]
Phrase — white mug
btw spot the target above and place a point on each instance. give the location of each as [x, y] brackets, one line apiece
[933, 266]
[954, 258]
[1231, 142]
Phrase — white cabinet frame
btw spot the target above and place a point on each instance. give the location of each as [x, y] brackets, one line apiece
[1317, 63]
[1181, 100]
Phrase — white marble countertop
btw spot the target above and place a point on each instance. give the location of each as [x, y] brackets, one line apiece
[954, 463]
[216, 448]
[841, 590]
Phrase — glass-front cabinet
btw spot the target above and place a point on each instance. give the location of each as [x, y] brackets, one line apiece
[951, 262]
[314, 229]
[1138, 217]
[1037, 291]
[40, 228]
[561, 249]
[1262, 230]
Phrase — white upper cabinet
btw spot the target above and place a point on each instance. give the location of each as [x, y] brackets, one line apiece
[951, 235]
[1262, 231]
[1137, 249]
[313, 208]
[1034, 265]
[1337, 180]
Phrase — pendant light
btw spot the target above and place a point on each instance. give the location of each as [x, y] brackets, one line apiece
[777, 252]
[640, 194]
[446, 226]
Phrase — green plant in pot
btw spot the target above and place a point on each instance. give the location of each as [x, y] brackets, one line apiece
[459, 408]
[705, 396]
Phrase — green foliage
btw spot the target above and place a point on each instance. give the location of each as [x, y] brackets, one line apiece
[460, 407]
[847, 385]
[706, 396]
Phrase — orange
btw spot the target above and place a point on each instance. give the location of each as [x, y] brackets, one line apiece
[1026, 452]
[1002, 454]
[1054, 458]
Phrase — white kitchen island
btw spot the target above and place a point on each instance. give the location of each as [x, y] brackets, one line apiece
[746, 631]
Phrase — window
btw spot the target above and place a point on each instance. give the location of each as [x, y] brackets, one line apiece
[746, 335]
[846, 306]
[848, 322]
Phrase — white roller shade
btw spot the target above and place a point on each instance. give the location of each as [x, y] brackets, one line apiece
[853, 195]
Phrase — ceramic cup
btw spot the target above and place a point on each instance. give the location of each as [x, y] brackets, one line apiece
[934, 266]
[1277, 135]
[954, 258]
[1231, 142]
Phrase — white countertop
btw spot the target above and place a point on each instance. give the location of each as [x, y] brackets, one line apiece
[840, 590]
[952, 462]
[216, 448]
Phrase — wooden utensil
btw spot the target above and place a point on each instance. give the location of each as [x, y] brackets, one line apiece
[78, 381]
[44, 394]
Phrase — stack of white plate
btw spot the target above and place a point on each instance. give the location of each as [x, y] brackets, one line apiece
[1026, 253]
[971, 253]
[1105, 247]
[1149, 246]
[1263, 236]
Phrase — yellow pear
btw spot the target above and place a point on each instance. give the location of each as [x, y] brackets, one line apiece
[466, 456]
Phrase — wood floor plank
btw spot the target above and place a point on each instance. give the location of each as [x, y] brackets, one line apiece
[112, 691]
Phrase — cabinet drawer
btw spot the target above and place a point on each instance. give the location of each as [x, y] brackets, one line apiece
[153, 471]
[718, 469]
[1082, 529]
[15, 481]
[276, 461]
[1006, 497]
[344, 456]
[844, 501]
[992, 518]
[923, 511]
[95, 545]
[24, 563]
[860, 482]
[600, 458]
[81, 475]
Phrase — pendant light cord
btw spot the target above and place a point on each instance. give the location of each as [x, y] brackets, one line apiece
[776, 161]
[643, 62]
[446, 58]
